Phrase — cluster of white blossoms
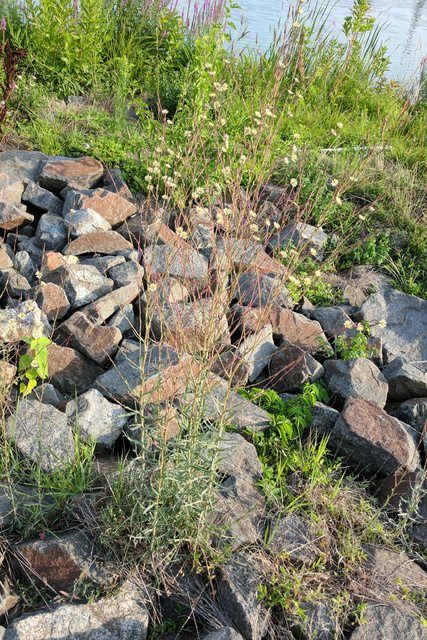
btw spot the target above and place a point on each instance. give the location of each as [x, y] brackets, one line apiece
[220, 87]
[181, 233]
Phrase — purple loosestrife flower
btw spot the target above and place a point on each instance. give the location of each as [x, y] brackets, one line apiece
[3, 24]
[13, 86]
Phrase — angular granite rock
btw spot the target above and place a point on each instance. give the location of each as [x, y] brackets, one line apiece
[59, 172]
[386, 622]
[124, 616]
[42, 434]
[97, 419]
[99, 242]
[290, 367]
[372, 441]
[405, 380]
[110, 206]
[62, 559]
[355, 378]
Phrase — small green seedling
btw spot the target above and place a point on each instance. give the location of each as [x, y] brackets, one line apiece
[33, 366]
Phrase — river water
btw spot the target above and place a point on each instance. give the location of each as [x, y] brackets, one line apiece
[405, 31]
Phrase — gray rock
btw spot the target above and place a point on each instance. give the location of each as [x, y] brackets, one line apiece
[13, 283]
[324, 418]
[82, 283]
[238, 595]
[256, 351]
[291, 366]
[385, 622]
[239, 509]
[226, 633]
[115, 182]
[97, 419]
[355, 378]
[22, 165]
[51, 233]
[371, 441]
[42, 199]
[19, 502]
[258, 290]
[301, 235]
[30, 246]
[296, 538]
[104, 263]
[163, 371]
[84, 221]
[46, 393]
[319, 623]
[238, 457]
[331, 319]
[405, 333]
[414, 413]
[125, 321]
[220, 402]
[185, 265]
[23, 320]
[42, 434]
[405, 380]
[126, 273]
[124, 616]
[392, 567]
[23, 264]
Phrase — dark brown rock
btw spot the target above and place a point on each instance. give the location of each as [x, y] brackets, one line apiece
[62, 559]
[371, 441]
[290, 367]
[69, 371]
[51, 299]
[99, 343]
[12, 216]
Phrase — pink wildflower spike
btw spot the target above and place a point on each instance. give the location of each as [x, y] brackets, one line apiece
[3, 24]
[13, 86]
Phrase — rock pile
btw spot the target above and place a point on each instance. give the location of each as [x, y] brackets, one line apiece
[132, 298]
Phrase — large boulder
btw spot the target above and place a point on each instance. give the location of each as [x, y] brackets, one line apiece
[386, 622]
[355, 378]
[371, 441]
[405, 332]
[42, 433]
[124, 616]
[405, 380]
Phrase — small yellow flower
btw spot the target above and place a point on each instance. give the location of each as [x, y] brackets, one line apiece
[313, 252]
[222, 121]
[371, 208]
[267, 222]
[242, 159]
[292, 279]
[257, 114]
[334, 183]
[283, 254]
[165, 111]
[208, 65]
[361, 217]
[338, 200]
[293, 157]
[226, 211]
[181, 233]
[38, 275]
[268, 112]
[254, 227]
[348, 324]
[297, 136]
[294, 182]
[152, 287]
[276, 225]
[286, 160]
[382, 323]
[296, 24]
[252, 213]
[317, 273]
[359, 326]
[340, 125]
[220, 218]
